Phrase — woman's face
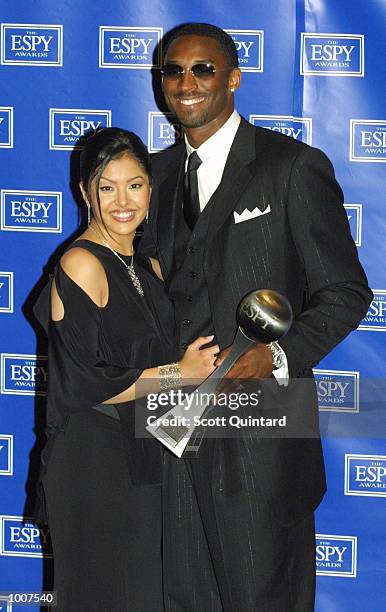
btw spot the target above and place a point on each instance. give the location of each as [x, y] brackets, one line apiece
[124, 194]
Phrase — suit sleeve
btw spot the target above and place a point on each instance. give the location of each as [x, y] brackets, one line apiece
[338, 294]
[147, 243]
[146, 246]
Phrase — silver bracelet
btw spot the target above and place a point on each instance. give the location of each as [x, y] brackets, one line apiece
[170, 376]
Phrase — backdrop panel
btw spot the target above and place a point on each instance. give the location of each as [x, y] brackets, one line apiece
[312, 69]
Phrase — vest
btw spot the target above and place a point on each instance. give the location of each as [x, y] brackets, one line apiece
[187, 285]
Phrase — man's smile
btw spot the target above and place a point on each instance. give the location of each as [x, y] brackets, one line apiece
[190, 101]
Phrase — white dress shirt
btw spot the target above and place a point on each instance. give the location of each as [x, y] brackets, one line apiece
[214, 154]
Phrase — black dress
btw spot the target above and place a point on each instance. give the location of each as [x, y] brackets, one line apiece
[102, 485]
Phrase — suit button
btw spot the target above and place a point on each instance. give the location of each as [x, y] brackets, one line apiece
[191, 250]
[189, 298]
[193, 275]
[186, 322]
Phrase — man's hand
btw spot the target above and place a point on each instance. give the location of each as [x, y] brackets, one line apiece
[256, 362]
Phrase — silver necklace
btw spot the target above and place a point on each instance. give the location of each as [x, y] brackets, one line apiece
[130, 268]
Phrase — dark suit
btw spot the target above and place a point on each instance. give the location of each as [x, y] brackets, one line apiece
[301, 247]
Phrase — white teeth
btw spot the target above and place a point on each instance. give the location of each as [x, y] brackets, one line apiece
[123, 215]
[191, 101]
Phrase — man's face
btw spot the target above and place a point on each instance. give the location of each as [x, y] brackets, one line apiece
[200, 101]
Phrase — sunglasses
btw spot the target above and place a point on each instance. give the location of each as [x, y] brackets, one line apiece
[173, 72]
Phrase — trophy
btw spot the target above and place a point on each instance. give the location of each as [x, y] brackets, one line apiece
[262, 316]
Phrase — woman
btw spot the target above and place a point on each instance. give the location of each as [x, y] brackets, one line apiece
[110, 326]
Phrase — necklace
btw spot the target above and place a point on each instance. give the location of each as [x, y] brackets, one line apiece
[130, 268]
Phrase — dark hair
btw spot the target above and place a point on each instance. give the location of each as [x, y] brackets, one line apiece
[103, 145]
[210, 31]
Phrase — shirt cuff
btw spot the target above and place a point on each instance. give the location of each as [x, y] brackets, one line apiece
[282, 374]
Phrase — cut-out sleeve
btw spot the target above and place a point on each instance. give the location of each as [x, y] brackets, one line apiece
[79, 349]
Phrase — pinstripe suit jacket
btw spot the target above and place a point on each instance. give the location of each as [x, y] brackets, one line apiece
[297, 242]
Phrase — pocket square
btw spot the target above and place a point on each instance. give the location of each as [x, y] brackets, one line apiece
[246, 215]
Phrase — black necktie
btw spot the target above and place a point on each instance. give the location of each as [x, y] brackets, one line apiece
[191, 197]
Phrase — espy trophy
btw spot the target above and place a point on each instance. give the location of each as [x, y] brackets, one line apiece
[262, 316]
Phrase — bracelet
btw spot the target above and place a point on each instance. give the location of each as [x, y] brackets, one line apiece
[170, 376]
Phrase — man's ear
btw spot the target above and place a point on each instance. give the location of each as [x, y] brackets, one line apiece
[234, 79]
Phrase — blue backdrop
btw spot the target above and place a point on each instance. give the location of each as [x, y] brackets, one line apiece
[312, 69]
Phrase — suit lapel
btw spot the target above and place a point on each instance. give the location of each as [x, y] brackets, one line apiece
[238, 172]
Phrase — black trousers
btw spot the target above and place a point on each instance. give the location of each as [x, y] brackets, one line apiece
[230, 554]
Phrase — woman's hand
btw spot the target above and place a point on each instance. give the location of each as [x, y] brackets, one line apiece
[198, 363]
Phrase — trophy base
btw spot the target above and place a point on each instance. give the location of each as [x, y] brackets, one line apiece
[172, 435]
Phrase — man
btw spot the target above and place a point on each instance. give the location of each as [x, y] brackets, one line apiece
[238, 208]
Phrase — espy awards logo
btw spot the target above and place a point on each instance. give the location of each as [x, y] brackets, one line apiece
[130, 47]
[375, 319]
[20, 538]
[336, 555]
[23, 374]
[31, 44]
[5, 603]
[6, 292]
[299, 128]
[163, 131]
[68, 125]
[31, 211]
[332, 54]
[338, 390]
[354, 215]
[6, 455]
[250, 49]
[6, 127]
[365, 475]
[368, 140]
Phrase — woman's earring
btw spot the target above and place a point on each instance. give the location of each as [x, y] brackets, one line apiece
[147, 217]
[88, 214]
